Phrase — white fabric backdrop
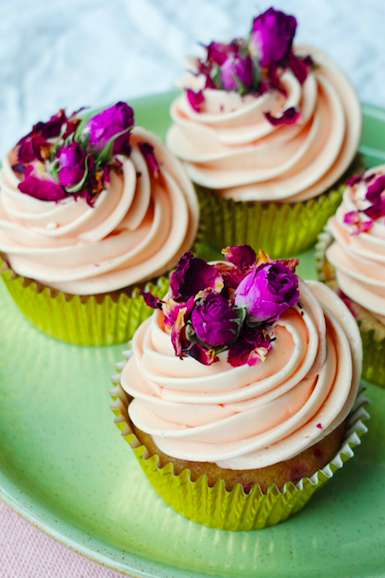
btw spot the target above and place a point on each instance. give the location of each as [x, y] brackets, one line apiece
[69, 53]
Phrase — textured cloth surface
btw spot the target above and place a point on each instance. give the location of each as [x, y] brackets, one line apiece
[25, 552]
[69, 53]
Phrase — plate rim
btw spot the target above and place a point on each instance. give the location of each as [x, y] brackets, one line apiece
[31, 509]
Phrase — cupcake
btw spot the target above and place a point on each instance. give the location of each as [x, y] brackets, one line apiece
[351, 258]
[92, 208]
[240, 393]
[268, 132]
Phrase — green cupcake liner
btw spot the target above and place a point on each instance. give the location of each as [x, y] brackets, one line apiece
[280, 229]
[82, 320]
[231, 510]
[372, 331]
[373, 369]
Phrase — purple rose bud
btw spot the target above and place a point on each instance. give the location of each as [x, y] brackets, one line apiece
[71, 166]
[214, 321]
[195, 99]
[240, 255]
[193, 275]
[45, 189]
[102, 127]
[267, 292]
[237, 71]
[272, 36]
[289, 116]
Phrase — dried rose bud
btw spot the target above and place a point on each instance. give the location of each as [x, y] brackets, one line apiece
[71, 166]
[108, 123]
[214, 321]
[272, 36]
[267, 292]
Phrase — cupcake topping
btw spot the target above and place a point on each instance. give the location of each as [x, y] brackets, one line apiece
[370, 193]
[230, 307]
[358, 251]
[74, 156]
[92, 205]
[263, 119]
[252, 65]
[249, 415]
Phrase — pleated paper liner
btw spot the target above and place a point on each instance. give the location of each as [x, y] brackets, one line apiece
[281, 229]
[82, 320]
[372, 331]
[232, 510]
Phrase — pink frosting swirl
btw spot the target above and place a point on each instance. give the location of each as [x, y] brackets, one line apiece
[249, 416]
[232, 148]
[359, 259]
[136, 229]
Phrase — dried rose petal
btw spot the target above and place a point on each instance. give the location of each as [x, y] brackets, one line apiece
[147, 151]
[231, 274]
[240, 255]
[192, 275]
[300, 66]
[375, 211]
[29, 150]
[195, 99]
[291, 264]
[289, 116]
[242, 352]
[171, 309]
[375, 189]
[19, 168]
[362, 227]
[52, 128]
[218, 52]
[205, 356]
[151, 300]
[351, 217]
[355, 179]
[178, 317]
[45, 189]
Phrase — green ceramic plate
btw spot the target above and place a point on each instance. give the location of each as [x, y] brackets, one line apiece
[64, 467]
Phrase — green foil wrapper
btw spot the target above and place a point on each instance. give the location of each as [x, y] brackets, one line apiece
[374, 357]
[82, 320]
[231, 510]
[280, 229]
[372, 331]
